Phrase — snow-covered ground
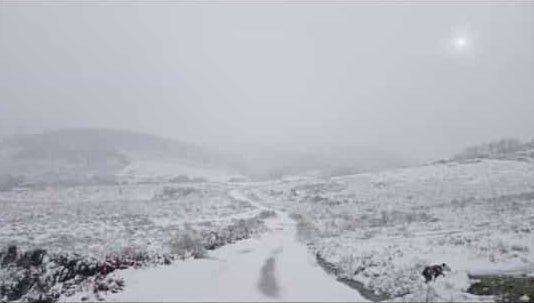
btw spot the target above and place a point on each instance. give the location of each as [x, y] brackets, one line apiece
[381, 229]
[89, 231]
[101, 220]
[270, 267]
[376, 229]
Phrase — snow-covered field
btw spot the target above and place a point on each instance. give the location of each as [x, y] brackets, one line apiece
[98, 220]
[127, 225]
[286, 240]
[381, 229]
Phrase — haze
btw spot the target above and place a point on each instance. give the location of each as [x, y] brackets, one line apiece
[421, 81]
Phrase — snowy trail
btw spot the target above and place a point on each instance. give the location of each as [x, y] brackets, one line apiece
[272, 267]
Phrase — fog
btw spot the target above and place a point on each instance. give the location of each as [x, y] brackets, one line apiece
[420, 81]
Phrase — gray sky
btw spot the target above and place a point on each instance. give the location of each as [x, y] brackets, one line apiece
[421, 80]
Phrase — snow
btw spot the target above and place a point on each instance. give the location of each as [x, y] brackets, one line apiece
[103, 220]
[234, 272]
[379, 229]
[382, 228]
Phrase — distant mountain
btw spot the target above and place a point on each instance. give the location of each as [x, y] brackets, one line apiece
[74, 156]
[323, 162]
[62, 144]
[103, 156]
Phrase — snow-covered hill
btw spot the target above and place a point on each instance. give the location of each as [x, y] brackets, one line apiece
[101, 156]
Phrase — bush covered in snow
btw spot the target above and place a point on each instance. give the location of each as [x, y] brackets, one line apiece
[35, 275]
[239, 229]
[187, 244]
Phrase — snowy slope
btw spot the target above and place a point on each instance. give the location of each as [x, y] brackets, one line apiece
[381, 229]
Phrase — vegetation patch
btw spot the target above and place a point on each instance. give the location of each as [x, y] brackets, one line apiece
[504, 288]
[38, 276]
[367, 293]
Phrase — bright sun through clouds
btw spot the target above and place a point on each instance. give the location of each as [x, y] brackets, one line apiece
[460, 42]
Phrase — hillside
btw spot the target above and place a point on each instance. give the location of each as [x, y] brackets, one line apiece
[103, 156]
[96, 156]
[379, 230]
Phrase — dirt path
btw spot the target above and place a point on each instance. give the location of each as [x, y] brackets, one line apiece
[273, 267]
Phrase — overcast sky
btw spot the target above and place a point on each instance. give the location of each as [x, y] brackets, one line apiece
[423, 80]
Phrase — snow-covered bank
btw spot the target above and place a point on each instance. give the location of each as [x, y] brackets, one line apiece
[237, 272]
[381, 229]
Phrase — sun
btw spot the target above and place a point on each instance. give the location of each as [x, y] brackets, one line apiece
[460, 43]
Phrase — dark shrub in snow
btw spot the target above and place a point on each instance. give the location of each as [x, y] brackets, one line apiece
[36, 276]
